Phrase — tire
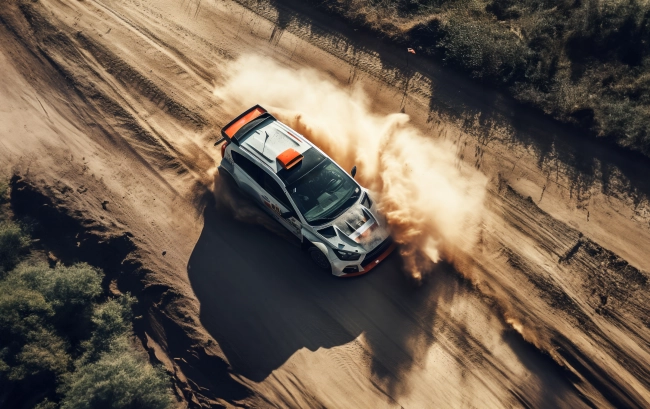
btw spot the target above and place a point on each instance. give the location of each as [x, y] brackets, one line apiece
[319, 258]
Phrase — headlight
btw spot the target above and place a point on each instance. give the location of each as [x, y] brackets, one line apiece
[346, 255]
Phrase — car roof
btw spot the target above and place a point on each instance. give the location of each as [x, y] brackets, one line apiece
[270, 139]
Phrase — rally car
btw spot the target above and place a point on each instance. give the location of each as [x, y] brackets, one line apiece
[332, 215]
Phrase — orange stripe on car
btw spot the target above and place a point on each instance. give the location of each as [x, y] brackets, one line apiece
[375, 262]
[294, 136]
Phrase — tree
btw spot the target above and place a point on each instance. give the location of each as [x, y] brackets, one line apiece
[13, 241]
[119, 379]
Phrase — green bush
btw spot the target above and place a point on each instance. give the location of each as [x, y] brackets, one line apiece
[65, 288]
[111, 374]
[484, 49]
[111, 320]
[44, 352]
[29, 344]
[70, 292]
[54, 331]
[119, 379]
[21, 311]
[13, 241]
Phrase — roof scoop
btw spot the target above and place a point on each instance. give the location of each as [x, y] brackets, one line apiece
[289, 158]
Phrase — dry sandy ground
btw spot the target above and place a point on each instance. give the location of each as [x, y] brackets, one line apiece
[107, 109]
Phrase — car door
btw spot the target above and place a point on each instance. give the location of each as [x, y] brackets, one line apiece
[262, 187]
[277, 202]
[248, 174]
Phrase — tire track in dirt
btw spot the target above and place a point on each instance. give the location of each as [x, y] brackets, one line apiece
[583, 270]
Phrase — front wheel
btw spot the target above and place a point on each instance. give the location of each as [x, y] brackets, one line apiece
[319, 258]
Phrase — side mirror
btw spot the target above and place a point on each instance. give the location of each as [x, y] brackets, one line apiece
[353, 171]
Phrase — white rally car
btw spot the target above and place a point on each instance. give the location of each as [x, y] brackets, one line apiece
[308, 193]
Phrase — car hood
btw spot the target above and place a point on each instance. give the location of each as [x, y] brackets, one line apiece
[358, 229]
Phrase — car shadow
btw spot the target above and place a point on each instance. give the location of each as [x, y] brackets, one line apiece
[262, 299]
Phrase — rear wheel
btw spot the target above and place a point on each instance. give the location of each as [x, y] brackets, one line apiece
[319, 258]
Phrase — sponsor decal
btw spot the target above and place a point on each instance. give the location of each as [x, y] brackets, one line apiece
[273, 207]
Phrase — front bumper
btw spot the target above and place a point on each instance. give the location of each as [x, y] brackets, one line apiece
[370, 261]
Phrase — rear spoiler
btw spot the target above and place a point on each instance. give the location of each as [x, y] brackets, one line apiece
[239, 126]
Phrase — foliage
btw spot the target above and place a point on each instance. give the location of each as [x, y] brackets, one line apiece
[118, 379]
[63, 287]
[4, 191]
[503, 57]
[46, 404]
[43, 352]
[32, 354]
[110, 374]
[55, 331]
[13, 241]
[112, 320]
[584, 62]
[35, 301]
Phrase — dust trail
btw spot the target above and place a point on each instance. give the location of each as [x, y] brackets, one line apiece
[432, 202]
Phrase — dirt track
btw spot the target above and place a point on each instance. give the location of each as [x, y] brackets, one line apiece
[107, 109]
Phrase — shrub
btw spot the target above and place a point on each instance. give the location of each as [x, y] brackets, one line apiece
[4, 192]
[70, 291]
[484, 49]
[21, 311]
[504, 9]
[44, 352]
[112, 320]
[120, 378]
[109, 374]
[29, 343]
[13, 241]
[65, 288]
[49, 317]
[36, 302]
[46, 404]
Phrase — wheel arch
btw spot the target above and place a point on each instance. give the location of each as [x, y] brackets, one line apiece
[310, 240]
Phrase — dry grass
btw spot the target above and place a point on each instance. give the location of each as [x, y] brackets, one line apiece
[585, 62]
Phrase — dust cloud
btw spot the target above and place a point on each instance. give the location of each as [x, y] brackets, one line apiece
[432, 202]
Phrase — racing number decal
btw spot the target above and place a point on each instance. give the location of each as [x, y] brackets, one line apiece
[274, 208]
[291, 223]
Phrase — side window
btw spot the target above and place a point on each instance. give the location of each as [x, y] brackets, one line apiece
[249, 167]
[271, 186]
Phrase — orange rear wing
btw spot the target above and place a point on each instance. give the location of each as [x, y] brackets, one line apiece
[239, 126]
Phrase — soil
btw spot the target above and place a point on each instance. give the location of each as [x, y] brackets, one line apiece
[108, 123]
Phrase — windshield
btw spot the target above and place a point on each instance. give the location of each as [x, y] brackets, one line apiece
[324, 193]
